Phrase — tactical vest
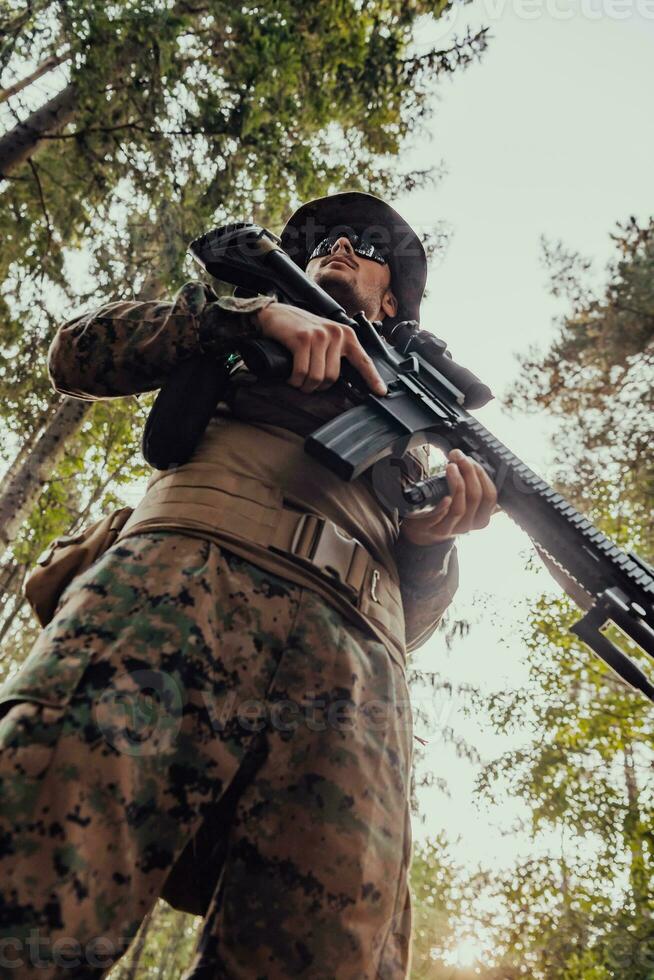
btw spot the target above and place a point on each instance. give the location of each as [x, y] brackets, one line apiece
[251, 487]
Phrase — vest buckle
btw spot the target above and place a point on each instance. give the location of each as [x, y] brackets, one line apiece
[327, 547]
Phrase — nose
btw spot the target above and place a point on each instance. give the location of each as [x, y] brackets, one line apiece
[343, 243]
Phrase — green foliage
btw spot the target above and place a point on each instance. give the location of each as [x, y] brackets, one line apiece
[216, 108]
[435, 904]
[596, 377]
[547, 915]
[184, 116]
[187, 116]
[584, 770]
[163, 949]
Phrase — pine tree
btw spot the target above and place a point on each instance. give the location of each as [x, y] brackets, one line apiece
[585, 770]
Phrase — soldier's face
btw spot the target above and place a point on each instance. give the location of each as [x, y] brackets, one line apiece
[355, 282]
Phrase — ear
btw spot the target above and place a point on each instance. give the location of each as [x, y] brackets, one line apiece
[389, 303]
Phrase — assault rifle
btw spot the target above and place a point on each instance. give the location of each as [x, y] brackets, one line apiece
[427, 401]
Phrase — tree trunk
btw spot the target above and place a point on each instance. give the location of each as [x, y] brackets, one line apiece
[9, 572]
[633, 834]
[51, 62]
[23, 140]
[34, 463]
[21, 492]
[19, 602]
[28, 444]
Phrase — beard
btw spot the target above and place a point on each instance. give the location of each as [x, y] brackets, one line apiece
[350, 296]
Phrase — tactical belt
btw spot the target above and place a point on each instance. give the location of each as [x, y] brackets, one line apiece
[243, 509]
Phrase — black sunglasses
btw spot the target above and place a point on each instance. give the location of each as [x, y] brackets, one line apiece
[359, 245]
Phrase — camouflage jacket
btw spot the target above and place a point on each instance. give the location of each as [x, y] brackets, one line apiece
[130, 347]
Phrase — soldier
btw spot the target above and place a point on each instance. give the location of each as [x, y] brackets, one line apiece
[218, 711]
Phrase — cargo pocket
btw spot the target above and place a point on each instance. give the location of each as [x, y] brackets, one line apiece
[33, 709]
[29, 733]
[52, 671]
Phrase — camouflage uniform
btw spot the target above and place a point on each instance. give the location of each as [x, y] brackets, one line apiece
[187, 709]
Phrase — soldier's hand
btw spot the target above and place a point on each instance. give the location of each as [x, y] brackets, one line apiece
[317, 346]
[471, 503]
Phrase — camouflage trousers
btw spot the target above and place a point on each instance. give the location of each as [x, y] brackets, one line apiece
[172, 673]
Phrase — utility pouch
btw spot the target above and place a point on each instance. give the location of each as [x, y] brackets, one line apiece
[67, 556]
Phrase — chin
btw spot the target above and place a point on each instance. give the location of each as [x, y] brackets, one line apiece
[339, 273]
[338, 287]
[336, 276]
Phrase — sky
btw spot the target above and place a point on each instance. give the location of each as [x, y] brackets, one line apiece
[550, 135]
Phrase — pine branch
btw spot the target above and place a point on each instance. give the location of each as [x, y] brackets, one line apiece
[53, 61]
[41, 198]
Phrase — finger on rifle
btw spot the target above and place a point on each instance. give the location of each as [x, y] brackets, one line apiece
[473, 489]
[457, 508]
[316, 373]
[332, 363]
[301, 359]
[488, 505]
[358, 358]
